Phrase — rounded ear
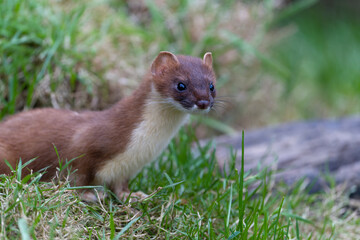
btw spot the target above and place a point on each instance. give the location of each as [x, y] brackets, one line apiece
[163, 61]
[207, 60]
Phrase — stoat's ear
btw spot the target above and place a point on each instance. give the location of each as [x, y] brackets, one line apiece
[207, 60]
[163, 61]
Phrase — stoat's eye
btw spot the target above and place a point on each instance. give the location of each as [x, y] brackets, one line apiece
[212, 88]
[181, 87]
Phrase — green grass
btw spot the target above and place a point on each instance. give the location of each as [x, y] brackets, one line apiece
[39, 56]
[193, 199]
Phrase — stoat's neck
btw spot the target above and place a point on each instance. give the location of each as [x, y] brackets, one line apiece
[157, 125]
[144, 114]
[143, 105]
[160, 114]
[130, 108]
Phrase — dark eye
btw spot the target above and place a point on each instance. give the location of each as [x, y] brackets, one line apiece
[212, 88]
[181, 87]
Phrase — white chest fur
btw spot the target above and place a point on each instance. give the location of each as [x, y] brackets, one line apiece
[159, 125]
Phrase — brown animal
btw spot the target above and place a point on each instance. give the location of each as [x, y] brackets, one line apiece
[116, 143]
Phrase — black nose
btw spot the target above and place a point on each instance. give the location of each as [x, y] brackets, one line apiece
[203, 104]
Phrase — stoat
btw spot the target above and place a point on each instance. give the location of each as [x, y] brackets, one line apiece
[116, 143]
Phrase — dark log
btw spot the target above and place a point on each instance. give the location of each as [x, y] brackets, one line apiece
[310, 150]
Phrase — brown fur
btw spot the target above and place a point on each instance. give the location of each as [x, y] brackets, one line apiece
[98, 136]
[34, 134]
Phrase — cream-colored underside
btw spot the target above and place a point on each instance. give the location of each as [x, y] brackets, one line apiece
[160, 123]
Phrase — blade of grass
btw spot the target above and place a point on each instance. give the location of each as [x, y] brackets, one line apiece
[276, 224]
[23, 229]
[229, 211]
[297, 230]
[241, 207]
[126, 228]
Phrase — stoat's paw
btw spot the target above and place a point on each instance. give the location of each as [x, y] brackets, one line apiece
[139, 195]
[134, 197]
[92, 196]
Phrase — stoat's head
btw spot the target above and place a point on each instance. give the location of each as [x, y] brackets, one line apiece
[187, 83]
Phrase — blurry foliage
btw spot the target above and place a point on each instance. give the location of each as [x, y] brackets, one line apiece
[274, 61]
[322, 56]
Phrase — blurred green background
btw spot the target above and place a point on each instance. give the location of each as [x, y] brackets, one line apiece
[276, 60]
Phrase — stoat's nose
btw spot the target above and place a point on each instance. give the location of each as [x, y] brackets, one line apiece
[203, 104]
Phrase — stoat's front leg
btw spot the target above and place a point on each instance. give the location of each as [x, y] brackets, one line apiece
[88, 195]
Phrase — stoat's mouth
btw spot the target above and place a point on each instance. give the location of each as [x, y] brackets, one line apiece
[194, 109]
